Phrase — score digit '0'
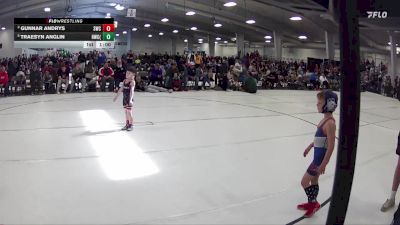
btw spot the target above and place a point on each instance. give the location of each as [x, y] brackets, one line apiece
[108, 27]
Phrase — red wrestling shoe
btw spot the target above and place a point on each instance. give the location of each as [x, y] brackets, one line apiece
[304, 206]
[314, 206]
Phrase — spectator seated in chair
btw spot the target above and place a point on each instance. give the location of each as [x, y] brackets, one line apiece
[156, 75]
[237, 70]
[106, 75]
[292, 82]
[63, 78]
[36, 81]
[20, 79]
[48, 82]
[78, 78]
[140, 84]
[253, 71]
[171, 72]
[272, 79]
[323, 80]
[90, 75]
[176, 83]
[189, 74]
[144, 74]
[314, 81]
[204, 77]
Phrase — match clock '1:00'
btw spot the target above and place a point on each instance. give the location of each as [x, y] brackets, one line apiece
[104, 44]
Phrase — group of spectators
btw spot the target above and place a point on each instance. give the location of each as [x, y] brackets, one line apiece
[376, 79]
[102, 71]
[59, 73]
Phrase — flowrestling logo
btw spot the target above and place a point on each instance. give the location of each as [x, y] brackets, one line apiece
[377, 14]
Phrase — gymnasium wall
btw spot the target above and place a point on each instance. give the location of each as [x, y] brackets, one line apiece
[7, 44]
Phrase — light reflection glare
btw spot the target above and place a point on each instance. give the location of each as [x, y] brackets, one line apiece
[119, 155]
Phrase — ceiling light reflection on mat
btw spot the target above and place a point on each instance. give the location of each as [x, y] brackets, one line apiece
[118, 154]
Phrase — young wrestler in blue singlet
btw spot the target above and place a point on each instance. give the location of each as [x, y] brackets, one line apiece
[324, 144]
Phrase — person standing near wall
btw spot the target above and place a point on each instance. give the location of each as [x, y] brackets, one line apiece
[36, 80]
[390, 202]
[119, 76]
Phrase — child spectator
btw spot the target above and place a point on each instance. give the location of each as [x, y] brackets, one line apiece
[4, 79]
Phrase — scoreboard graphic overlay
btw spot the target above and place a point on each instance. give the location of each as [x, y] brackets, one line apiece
[64, 32]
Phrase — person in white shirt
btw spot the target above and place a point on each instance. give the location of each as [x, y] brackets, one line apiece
[20, 76]
[323, 81]
[237, 70]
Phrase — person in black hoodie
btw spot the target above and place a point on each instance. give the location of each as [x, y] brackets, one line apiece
[78, 77]
[81, 57]
[36, 80]
[119, 76]
[12, 70]
[398, 88]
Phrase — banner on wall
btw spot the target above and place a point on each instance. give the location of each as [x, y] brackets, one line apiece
[131, 13]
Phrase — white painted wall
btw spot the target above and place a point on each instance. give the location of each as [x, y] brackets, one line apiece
[268, 51]
[220, 49]
[291, 53]
[378, 58]
[140, 43]
[303, 53]
[7, 39]
[397, 65]
[225, 50]
[250, 49]
[205, 47]
[121, 49]
[29, 52]
[231, 50]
